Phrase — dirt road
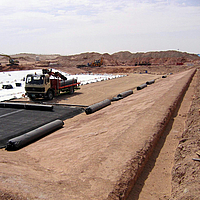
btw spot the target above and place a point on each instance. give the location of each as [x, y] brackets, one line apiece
[95, 156]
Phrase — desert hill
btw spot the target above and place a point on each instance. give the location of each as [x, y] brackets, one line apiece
[123, 61]
[129, 59]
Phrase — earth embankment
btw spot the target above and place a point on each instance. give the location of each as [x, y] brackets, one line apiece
[97, 156]
[185, 173]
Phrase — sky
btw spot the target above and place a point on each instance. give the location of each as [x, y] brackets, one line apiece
[70, 27]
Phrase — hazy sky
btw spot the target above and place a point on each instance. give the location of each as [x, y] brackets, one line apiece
[105, 26]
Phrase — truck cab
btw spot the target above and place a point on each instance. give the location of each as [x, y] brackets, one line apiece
[37, 86]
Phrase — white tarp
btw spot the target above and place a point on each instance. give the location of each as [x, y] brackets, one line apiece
[13, 77]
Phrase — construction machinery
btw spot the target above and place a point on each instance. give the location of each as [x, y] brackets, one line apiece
[49, 84]
[96, 63]
[11, 60]
[143, 63]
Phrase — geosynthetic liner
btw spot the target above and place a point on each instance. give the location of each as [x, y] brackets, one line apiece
[97, 106]
[125, 94]
[122, 95]
[15, 122]
[140, 87]
[150, 82]
[29, 137]
[26, 106]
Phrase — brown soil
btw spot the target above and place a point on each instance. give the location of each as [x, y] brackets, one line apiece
[120, 62]
[94, 93]
[155, 181]
[100, 156]
[185, 173]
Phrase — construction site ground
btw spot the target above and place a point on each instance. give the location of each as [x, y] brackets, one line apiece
[101, 155]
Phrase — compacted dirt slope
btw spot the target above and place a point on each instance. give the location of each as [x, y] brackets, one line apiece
[97, 156]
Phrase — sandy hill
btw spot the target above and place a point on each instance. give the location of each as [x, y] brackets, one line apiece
[128, 58]
[125, 61]
[116, 59]
[123, 58]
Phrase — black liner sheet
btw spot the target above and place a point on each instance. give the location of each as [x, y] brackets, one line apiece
[15, 122]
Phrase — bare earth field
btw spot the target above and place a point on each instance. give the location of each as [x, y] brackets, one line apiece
[100, 156]
[94, 93]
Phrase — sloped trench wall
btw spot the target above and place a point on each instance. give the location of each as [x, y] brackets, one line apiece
[135, 166]
[185, 173]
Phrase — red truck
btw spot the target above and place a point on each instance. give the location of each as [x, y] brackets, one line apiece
[49, 84]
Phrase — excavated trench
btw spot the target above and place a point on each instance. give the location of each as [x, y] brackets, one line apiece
[154, 182]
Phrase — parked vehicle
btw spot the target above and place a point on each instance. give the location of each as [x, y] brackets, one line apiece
[49, 84]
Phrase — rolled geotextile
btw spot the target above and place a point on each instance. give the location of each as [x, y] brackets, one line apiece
[97, 106]
[142, 86]
[11, 105]
[27, 138]
[68, 82]
[38, 107]
[150, 82]
[26, 106]
[116, 98]
[125, 94]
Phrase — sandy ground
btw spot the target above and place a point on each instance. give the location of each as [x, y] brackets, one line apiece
[96, 92]
[95, 156]
[155, 180]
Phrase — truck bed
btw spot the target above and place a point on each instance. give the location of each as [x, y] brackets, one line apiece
[58, 84]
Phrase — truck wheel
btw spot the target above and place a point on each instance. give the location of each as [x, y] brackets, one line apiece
[71, 90]
[32, 98]
[50, 95]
